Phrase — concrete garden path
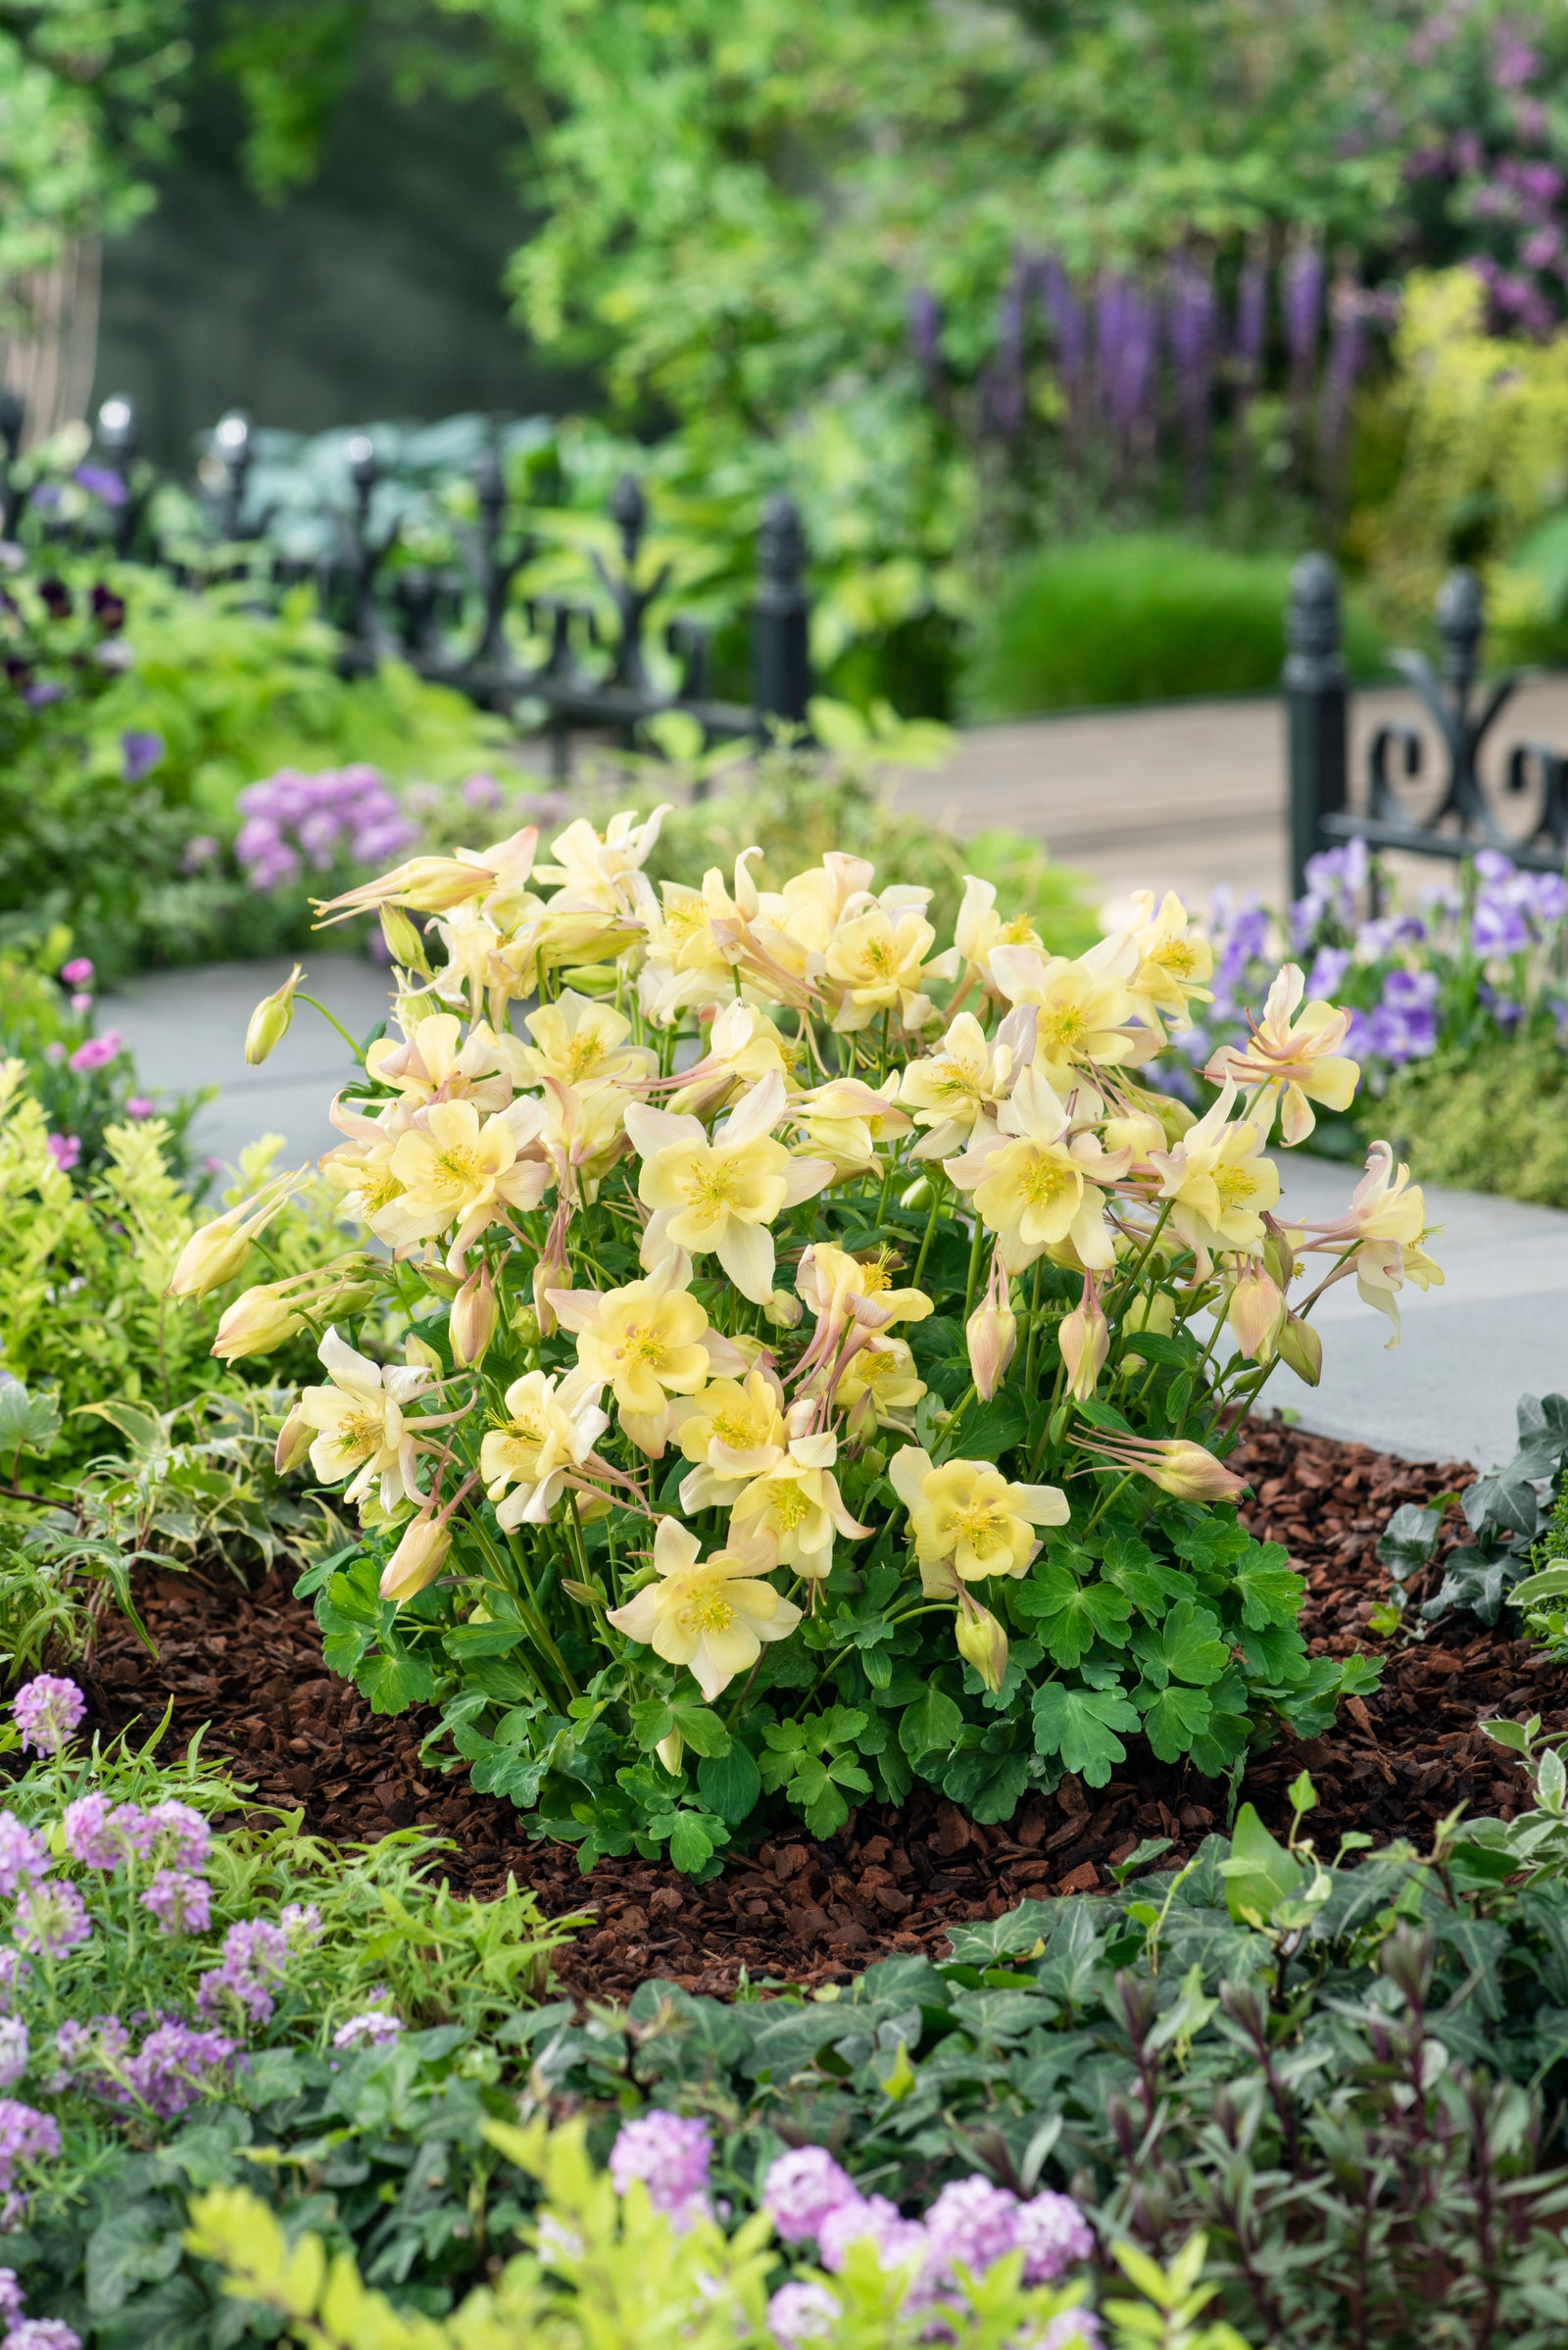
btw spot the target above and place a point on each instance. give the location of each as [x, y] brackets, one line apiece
[1497, 1328]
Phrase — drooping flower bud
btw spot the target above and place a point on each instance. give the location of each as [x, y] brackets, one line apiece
[919, 1194]
[992, 1333]
[671, 1752]
[293, 1441]
[218, 1252]
[271, 1019]
[981, 1642]
[257, 1322]
[1084, 1336]
[783, 1310]
[525, 1326]
[417, 1559]
[475, 1316]
[1300, 1349]
[1256, 1311]
[402, 941]
[1173, 1463]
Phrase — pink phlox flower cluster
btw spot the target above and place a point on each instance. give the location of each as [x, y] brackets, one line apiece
[670, 2153]
[872, 2219]
[97, 1051]
[52, 1918]
[292, 818]
[373, 2029]
[180, 1902]
[65, 1149]
[254, 1955]
[48, 1709]
[23, 1858]
[803, 2313]
[803, 2186]
[14, 2050]
[79, 972]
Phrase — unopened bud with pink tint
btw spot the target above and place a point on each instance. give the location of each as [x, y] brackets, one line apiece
[1084, 1336]
[1256, 1311]
[474, 1319]
[1173, 1463]
[294, 1440]
[991, 1332]
[981, 1641]
[417, 1559]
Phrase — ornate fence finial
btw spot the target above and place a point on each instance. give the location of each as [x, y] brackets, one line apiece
[628, 511]
[781, 655]
[1461, 623]
[13, 417]
[1317, 710]
[233, 451]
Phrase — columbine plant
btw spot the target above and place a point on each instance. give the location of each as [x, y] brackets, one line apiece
[803, 1321]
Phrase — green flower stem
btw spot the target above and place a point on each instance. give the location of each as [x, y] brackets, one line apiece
[1106, 1499]
[930, 1228]
[331, 1018]
[528, 1608]
[976, 1245]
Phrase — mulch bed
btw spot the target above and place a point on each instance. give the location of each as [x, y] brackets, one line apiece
[249, 1664]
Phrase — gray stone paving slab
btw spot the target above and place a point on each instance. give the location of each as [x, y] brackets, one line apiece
[187, 1029]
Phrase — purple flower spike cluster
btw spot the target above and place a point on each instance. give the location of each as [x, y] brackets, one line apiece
[972, 2224]
[176, 2063]
[293, 821]
[255, 1957]
[670, 2154]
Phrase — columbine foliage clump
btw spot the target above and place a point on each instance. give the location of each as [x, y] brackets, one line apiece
[819, 1343]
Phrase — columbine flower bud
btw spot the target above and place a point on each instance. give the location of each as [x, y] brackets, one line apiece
[271, 1019]
[474, 1315]
[525, 1326]
[1300, 1349]
[992, 1334]
[216, 1253]
[783, 1310]
[1193, 1475]
[402, 941]
[1154, 1309]
[1083, 1337]
[671, 1752]
[294, 1440]
[920, 1193]
[417, 1559]
[254, 1324]
[1256, 1312]
[981, 1642]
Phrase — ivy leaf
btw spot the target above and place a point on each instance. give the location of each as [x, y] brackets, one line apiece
[1268, 1586]
[1081, 1725]
[1074, 1615]
[27, 1423]
[930, 1725]
[1176, 1717]
[1259, 1872]
[1186, 1647]
[1409, 1539]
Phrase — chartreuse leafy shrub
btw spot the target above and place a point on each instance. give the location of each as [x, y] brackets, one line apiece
[820, 1345]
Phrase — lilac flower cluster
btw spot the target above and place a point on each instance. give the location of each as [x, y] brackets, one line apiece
[373, 2029]
[254, 1956]
[670, 2154]
[176, 2063]
[971, 2225]
[345, 816]
[30, 2333]
[48, 1710]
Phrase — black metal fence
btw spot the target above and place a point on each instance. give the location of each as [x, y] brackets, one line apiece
[1477, 794]
[456, 625]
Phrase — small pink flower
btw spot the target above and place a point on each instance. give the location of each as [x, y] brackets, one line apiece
[79, 972]
[140, 1105]
[65, 1149]
[97, 1052]
[80, 1003]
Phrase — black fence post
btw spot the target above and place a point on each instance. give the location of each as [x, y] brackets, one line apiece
[13, 417]
[1316, 711]
[781, 617]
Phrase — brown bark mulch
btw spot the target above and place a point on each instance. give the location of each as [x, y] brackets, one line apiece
[249, 1664]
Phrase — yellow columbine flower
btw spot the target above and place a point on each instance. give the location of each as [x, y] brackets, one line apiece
[361, 1169]
[1084, 1011]
[1293, 1052]
[435, 1060]
[594, 869]
[362, 1432]
[969, 1520]
[845, 1119]
[965, 1082]
[1038, 1177]
[1385, 1227]
[221, 1249]
[980, 929]
[456, 1171]
[433, 885]
[582, 1043]
[733, 1434]
[1218, 1181]
[549, 1434]
[877, 963]
[644, 1341]
[1173, 963]
[721, 1196]
[797, 1504]
[743, 1045]
[843, 1290]
[880, 1387]
[713, 1616]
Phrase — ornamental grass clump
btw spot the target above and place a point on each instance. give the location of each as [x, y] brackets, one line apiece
[803, 1353]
